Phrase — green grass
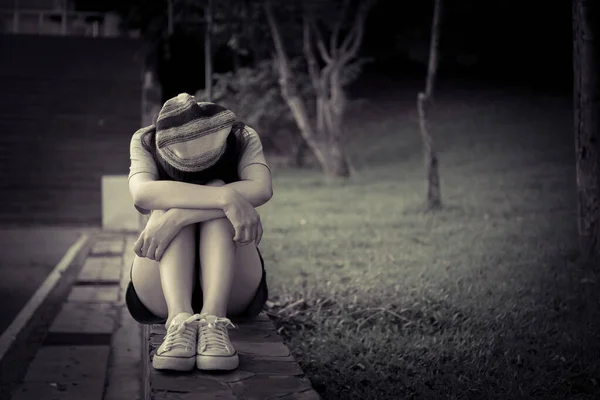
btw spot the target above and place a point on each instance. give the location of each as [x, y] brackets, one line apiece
[483, 299]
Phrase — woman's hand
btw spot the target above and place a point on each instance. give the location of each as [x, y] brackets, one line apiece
[160, 230]
[244, 218]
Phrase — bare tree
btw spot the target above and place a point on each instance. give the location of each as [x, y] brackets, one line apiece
[424, 101]
[327, 63]
[208, 63]
[586, 63]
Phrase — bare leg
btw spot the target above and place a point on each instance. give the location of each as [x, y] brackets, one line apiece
[175, 278]
[248, 273]
[217, 260]
[230, 275]
[229, 279]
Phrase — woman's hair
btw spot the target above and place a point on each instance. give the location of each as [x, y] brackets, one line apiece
[148, 140]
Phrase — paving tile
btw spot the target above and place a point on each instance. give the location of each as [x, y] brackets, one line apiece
[85, 389]
[230, 376]
[108, 247]
[185, 382]
[254, 324]
[85, 318]
[306, 395]
[125, 363]
[268, 349]
[166, 395]
[102, 269]
[253, 335]
[262, 387]
[270, 367]
[261, 318]
[94, 294]
[68, 364]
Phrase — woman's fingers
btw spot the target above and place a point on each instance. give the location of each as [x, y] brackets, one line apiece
[243, 235]
[151, 250]
[144, 250]
[160, 249]
[237, 232]
[137, 246]
[254, 232]
[259, 232]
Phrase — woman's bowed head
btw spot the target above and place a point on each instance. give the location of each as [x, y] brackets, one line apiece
[200, 173]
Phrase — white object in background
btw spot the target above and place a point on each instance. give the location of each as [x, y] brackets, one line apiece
[118, 212]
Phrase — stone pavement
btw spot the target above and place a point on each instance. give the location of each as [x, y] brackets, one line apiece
[267, 369]
[94, 350]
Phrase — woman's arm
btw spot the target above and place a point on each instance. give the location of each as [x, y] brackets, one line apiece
[255, 187]
[151, 194]
[188, 216]
[165, 195]
[255, 184]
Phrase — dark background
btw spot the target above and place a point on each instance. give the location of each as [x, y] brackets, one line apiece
[524, 43]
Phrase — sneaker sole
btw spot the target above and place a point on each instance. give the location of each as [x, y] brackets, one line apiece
[216, 363]
[173, 363]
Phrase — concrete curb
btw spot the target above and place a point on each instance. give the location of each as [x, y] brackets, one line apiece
[10, 334]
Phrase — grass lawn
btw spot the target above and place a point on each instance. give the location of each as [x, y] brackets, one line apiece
[484, 299]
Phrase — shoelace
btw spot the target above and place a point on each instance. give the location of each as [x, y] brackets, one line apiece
[215, 336]
[179, 335]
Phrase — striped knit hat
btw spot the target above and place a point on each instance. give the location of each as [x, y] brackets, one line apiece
[191, 136]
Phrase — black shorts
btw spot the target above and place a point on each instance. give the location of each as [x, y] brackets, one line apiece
[141, 314]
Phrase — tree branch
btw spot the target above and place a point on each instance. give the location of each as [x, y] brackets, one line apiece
[353, 40]
[313, 67]
[289, 91]
[433, 48]
[277, 40]
[320, 41]
[337, 27]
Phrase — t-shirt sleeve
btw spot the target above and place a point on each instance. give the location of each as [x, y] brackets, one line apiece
[141, 159]
[251, 150]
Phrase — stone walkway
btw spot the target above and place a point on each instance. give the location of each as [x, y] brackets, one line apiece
[267, 369]
[94, 350]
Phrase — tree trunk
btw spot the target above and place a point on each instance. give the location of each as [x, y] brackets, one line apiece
[434, 196]
[299, 154]
[208, 51]
[587, 123]
[338, 161]
[290, 93]
[337, 166]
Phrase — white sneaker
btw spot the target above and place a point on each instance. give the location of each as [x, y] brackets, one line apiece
[214, 351]
[177, 352]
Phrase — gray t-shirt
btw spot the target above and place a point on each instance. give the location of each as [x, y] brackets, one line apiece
[142, 161]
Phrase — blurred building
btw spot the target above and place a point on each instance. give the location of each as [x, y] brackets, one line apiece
[57, 18]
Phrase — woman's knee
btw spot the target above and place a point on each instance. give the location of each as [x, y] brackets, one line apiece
[215, 226]
[216, 182]
[185, 235]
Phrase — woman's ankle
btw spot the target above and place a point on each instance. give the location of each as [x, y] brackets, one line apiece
[217, 311]
[175, 313]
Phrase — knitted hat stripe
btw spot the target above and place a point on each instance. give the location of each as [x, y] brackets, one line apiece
[179, 116]
[200, 162]
[189, 130]
[172, 107]
[193, 115]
